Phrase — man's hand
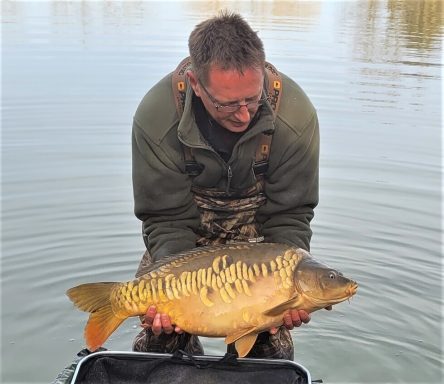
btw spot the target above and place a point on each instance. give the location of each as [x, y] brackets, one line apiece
[295, 318]
[159, 322]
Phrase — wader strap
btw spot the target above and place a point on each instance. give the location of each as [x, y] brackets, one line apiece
[274, 84]
[179, 83]
[274, 92]
[274, 81]
[260, 166]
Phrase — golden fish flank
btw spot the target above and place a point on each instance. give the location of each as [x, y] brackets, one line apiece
[234, 291]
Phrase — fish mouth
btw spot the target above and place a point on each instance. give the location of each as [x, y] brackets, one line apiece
[352, 288]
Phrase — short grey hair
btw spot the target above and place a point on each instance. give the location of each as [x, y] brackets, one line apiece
[227, 41]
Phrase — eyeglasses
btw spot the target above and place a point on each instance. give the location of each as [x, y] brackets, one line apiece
[231, 108]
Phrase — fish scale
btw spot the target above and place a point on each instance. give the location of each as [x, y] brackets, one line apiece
[192, 281]
[212, 277]
[232, 291]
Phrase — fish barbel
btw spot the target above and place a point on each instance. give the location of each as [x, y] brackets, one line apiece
[234, 291]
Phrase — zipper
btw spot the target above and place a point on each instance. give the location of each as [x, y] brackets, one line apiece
[229, 176]
[211, 149]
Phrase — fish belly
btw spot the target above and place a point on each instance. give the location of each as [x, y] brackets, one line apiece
[213, 316]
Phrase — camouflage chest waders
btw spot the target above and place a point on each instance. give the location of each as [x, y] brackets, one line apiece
[224, 219]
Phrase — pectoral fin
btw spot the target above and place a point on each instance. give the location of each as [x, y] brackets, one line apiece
[294, 302]
[245, 343]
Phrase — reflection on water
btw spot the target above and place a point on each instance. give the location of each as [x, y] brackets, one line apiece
[73, 74]
[415, 25]
[420, 22]
[264, 11]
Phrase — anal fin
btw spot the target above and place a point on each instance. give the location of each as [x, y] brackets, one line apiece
[243, 340]
[245, 343]
[232, 337]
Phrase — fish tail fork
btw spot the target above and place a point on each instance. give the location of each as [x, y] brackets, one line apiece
[96, 299]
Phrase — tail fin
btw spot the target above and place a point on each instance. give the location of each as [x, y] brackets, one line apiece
[96, 299]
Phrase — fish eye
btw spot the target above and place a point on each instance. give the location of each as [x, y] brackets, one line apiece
[332, 275]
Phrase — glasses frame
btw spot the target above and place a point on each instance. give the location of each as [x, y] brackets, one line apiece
[233, 108]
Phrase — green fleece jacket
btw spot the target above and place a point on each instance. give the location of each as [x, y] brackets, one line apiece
[162, 189]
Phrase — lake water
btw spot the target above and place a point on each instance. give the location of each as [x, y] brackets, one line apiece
[73, 75]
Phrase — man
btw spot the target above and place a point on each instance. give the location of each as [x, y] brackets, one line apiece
[196, 175]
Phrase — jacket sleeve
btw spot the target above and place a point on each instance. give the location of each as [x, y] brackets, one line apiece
[162, 196]
[292, 186]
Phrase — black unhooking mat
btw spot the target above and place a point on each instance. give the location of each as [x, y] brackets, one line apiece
[131, 367]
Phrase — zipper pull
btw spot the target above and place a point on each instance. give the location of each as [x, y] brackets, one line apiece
[229, 176]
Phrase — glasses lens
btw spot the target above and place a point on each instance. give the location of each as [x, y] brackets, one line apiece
[233, 108]
[229, 108]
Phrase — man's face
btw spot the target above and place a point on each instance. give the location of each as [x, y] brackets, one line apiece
[225, 91]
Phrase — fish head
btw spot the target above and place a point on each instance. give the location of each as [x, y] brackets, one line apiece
[321, 285]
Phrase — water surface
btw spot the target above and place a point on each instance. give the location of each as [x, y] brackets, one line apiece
[73, 74]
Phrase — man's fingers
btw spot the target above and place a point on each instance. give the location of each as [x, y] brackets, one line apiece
[304, 316]
[166, 324]
[157, 325]
[295, 318]
[159, 322]
[273, 330]
[289, 321]
[150, 315]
